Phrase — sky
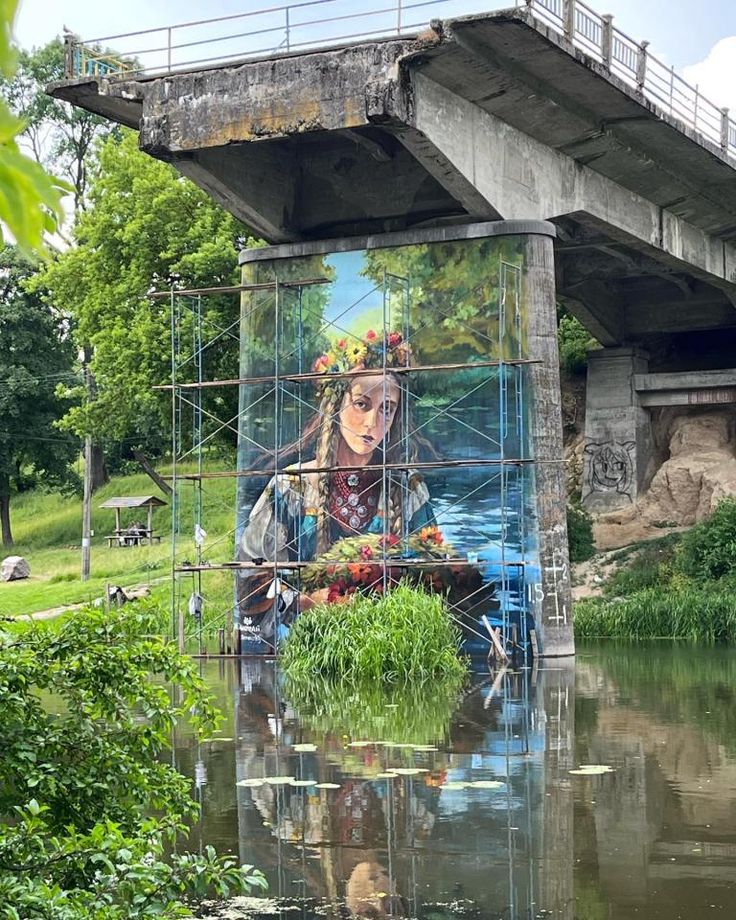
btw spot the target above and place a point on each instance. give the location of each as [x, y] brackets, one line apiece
[698, 38]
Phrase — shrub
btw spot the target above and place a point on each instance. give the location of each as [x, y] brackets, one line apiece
[648, 564]
[405, 634]
[579, 533]
[708, 550]
[91, 806]
[574, 342]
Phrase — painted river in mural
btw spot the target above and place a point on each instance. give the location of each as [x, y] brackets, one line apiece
[429, 806]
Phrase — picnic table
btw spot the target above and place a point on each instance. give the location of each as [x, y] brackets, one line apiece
[136, 533]
[133, 536]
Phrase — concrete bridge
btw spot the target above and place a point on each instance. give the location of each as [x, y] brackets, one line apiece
[478, 118]
[494, 116]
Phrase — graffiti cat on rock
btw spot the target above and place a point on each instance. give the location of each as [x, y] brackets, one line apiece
[610, 467]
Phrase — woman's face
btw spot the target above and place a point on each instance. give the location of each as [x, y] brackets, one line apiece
[367, 412]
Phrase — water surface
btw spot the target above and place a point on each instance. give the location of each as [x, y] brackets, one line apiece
[655, 838]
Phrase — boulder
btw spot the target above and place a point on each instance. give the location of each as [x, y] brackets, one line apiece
[13, 568]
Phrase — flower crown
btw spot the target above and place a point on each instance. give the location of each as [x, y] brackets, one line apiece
[373, 351]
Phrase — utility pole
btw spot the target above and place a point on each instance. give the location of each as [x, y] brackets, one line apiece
[87, 501]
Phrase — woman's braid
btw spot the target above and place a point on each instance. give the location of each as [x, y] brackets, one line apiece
[325, 457]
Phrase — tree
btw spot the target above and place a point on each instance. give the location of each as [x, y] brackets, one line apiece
[36, 355]
[30, 200]
[145, 228]
[60, 136]
[85, 714]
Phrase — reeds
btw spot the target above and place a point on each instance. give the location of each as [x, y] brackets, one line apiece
[404, 635]
[701, 611]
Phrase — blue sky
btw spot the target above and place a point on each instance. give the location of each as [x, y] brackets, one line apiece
[682, 32]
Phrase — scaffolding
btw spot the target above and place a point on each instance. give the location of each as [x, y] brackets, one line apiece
[273, 390]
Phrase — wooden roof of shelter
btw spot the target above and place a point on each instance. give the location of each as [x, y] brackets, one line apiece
[133, 501]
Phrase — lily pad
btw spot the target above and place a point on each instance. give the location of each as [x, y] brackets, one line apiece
[361, 744]
[305, 748]
[591, 769]
[486, 784]
[303, 782]
[389, 774]
[453, 786]
[250, 782]
[278, 780]
[218, 738]
[327, 786]
[410, 771]
[425, 747]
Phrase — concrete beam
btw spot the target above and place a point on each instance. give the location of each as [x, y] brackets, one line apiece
[526, 179]
[698, 380]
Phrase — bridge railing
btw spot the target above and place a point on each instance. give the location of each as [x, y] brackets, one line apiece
[320, 23]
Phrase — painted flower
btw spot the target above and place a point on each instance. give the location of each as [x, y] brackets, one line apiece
[403, 354]
[371, 335]
[394, 339]
[342, 344]
[321, 364]
[366, 553]
[356, 353]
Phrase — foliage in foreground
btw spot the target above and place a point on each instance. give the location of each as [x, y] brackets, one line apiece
[88, 805]
[30, 200]
[403, 635]
[702, 611]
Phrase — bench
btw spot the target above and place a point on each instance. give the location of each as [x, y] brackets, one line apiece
[132, 538]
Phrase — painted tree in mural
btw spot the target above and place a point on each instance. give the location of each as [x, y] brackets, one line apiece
[455, 295]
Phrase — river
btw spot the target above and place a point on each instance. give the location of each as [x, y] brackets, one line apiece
[484, 818]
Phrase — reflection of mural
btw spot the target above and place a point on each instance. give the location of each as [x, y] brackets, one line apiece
[375, 429]
[396, 827]
[610, 467]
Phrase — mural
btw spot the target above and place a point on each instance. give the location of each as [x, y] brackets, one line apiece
[383, 413]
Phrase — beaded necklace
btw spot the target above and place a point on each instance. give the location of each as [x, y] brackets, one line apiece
[354, 498]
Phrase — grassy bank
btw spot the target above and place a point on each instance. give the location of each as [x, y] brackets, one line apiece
[47, 530]
[681, 587]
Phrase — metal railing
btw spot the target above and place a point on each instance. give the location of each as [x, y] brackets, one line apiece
[298, 27]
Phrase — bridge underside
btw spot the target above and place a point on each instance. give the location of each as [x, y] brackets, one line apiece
[480, 118]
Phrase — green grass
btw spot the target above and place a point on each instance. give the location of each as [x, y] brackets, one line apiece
[47, 531]
[404, 635]
[702, 611]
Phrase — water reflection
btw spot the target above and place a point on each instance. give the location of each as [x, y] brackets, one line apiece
[655, 838]
[424, 842]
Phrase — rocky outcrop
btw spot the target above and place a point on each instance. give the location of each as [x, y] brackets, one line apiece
[700, 471]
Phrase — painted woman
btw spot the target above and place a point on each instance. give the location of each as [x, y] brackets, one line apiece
[357, 479]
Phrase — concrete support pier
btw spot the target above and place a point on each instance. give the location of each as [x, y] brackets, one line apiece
[618, 437]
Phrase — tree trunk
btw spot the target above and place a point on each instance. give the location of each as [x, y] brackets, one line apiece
[5, 511]
[98, 468]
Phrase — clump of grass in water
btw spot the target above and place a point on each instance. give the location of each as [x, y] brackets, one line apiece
[405, 635]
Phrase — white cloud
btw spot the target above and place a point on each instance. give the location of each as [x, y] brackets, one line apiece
[715, 77]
